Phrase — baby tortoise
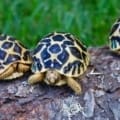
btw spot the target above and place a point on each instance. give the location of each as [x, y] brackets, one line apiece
[14, 58]
[58, 59]
[115, 37]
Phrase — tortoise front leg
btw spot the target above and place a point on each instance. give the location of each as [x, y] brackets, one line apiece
[74, 85]
[23, 67]
[35, 78]
[7, 73]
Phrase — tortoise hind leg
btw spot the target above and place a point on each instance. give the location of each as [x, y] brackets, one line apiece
[74, 85]
[23, 67]
[7, 73]
[35, 78]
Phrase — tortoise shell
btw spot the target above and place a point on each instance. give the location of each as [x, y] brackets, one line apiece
[115, 36]
[11, 51]
[61, 52]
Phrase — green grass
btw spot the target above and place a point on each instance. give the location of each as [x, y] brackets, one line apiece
[29, 21]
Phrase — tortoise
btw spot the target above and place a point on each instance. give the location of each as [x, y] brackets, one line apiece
[14, 58]
[59, 58]
[114, 37]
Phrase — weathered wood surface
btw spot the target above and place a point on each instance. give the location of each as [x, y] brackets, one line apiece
[100, 99]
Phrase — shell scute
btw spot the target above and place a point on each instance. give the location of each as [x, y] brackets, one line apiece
[47, 40]
[36, 63]
[83, 48]
[11, 58]
[11, 38]
[26, 56]
[17, 48]
[63, 57]
[54, 48]
[73, 67]
[66, 43]
[7, 45]
[58, 38]
[75, 51]
[2, 54]
[45, 55]
[48, 64]
[56, 65]
[115, 26]
[69, 37]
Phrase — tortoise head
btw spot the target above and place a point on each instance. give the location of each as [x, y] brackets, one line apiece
[52, 77]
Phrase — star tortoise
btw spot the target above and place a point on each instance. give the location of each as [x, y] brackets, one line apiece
[58, 59]
[114, 37]
[14, 58]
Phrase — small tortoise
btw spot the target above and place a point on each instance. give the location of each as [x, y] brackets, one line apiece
[58, 59]
[115, 37]
[14, 58]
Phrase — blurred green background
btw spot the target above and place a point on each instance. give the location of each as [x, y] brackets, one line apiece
[30, 20]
